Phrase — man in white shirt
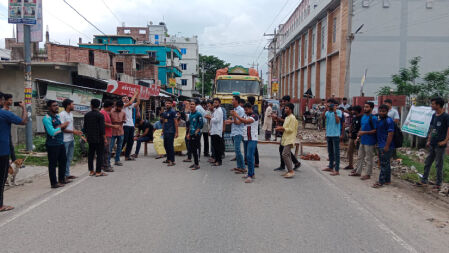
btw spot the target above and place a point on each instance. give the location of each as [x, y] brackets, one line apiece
[69, 131]
[392, 113]
[345, 105]
[216, 132]
[128, 127]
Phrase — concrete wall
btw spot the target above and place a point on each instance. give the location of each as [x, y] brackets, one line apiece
[394, 32]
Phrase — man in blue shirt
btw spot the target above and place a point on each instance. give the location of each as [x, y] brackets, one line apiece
[55, 145]
[333, 132]
[368, 139]
[170, 131]
[196, 122]
[237, 129]
[6, 119]
[385, 144]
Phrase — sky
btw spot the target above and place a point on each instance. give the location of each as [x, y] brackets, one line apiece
[231, 30]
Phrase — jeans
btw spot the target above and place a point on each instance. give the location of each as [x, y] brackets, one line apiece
[128, 139]
[189, 150]
[287, 156]
[206, 143]
[238, 153]
[69, 150]
[4, 166]
[333, 148]
[56, 158]
[256, 153]
[119, 147]
[169, 142]
[139, 142]
[293, 157]
[385, 166]
[366, 152]
[218, 148]
[195, 142]
[107, 154]
[250, 147]
[11, 149]
[95, 149]
[435, 154]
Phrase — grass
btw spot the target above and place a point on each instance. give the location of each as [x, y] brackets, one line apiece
[39, 146]
[410, 160]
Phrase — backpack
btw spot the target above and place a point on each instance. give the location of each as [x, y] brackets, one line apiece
[398, 137]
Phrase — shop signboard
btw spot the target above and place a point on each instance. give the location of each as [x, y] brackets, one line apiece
[129, 89]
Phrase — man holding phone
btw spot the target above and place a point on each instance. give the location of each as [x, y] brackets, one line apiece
[333, 131]
[7, 103]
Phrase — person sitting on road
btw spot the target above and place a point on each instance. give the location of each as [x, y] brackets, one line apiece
[144, 127]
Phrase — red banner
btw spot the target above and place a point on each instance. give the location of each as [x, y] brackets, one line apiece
[128, 89]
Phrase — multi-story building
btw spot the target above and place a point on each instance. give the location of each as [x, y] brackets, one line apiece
[166, 57]
[158, 33]
[327, 45]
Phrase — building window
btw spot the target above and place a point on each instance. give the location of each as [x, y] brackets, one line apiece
[386, 3]
[127, 31]
[119, 67]
[156, 37]
[91, 57]
[313, 43]
[183, 50]
[184, 82]
[306, 48]
[183, 66]
[142, 31]
[429, 4]
[123, 51]
[299, 53]
[334, 31]
[151, 54]
[365, 3]
[323, 32]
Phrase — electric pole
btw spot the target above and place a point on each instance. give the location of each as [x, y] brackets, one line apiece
[349, 39]
[28, 86]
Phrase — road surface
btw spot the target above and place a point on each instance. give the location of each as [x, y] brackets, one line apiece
[148, 207]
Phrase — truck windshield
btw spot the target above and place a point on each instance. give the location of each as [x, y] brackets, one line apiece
[242, 86]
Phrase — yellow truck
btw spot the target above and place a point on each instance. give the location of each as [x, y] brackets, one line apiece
[237, 80]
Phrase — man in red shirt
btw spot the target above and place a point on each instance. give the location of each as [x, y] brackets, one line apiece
[107, 107]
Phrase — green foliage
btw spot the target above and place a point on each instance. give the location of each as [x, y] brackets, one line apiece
[385, 90]
[435, 84]
[413, 161]
[405, 80]
[211, 64]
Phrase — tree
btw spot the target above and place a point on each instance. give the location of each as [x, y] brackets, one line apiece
[405, 80]
[435, 84]
[211, 64]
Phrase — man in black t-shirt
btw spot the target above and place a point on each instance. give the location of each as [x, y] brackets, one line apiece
[145, 134]
[437, 142]
[354, 129]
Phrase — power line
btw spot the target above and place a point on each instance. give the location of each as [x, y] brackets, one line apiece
[73, 28]
[110, 10]
[81, 15]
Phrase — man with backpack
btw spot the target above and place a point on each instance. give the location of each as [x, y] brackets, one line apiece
[385, 133]
[367, 137]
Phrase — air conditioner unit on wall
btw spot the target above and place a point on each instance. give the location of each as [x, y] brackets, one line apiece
[386, 3]
[429, 4]
[365, 3]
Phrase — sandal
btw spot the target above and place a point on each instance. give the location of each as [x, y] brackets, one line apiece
[91, 173]
[187, 160]
[354, 174]
[171, 164]
[101, 174]
[6, 208]
[327, 169]
[377, 185]
[366, 177]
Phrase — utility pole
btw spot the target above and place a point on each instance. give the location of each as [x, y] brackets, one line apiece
[274, 66]
[202, 79]
[28, 86]
[349, 39]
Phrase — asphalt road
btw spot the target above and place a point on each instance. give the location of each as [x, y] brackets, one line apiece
[148, 207]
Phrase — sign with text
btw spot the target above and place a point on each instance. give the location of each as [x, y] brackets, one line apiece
[129, 89]
[81, 98]
[22, 12]
[418, 121]
[37, 34]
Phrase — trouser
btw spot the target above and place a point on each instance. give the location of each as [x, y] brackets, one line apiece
[267, 135]
[107, 154]
[128, 139]
[195, 143]
[69, 150]
[119, 140]
[293, 157]
[169, 142]
[250, 147]
[4, 166]
[287, 156]
[218, 150]
[189, 151]
[95, 149]
[351, 149]
[366, 154]
[385, 166]
[333, 149]
[206, 143]
[435, 154]
[139, 142]
[238, 152]
[11, 150]
[256, 154]
[56, 158]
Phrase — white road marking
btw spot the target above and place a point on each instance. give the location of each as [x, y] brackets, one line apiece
[367, 212]
[42, 201]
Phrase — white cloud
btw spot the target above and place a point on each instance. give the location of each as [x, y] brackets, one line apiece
[231, 30]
